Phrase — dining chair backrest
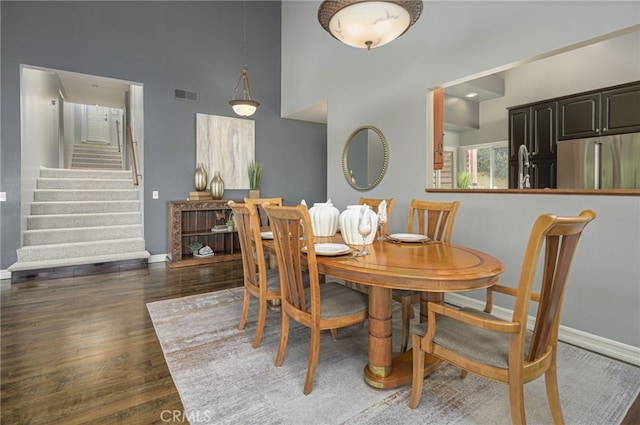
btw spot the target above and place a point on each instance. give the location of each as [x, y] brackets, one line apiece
[374, 203]
[559, 236]
[291, 227]
[253, 260]
[434, 219]
[258, 202]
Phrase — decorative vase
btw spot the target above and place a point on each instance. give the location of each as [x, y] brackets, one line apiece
[254, 193]
[217, 186]
[200, 178]
[324, 218]
[349, 225]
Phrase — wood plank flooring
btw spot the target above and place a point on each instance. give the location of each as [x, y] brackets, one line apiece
[83, 350]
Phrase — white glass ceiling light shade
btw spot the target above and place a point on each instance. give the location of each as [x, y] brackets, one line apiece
[246, 106]
[368, 24]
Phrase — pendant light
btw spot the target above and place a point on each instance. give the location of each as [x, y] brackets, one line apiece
[244, 106]
[368, 23]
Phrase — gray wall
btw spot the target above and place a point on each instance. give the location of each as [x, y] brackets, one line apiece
[452, 41]
[162, 45]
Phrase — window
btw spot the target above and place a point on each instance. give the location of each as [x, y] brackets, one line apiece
[488, 165]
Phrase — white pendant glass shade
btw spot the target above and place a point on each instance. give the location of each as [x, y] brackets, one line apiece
[368, 24]
[376, 23]
[244, 108]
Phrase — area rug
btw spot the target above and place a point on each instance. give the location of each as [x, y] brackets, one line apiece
[221, 379]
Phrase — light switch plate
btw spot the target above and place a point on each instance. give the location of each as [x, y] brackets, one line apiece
[3, 196]
[154, 194]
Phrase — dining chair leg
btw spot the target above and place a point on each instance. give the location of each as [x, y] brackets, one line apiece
[463, 374]
[314, 353]
[284, 338]
[551, 381]
[406, 322]
[418, 373]
[245, 309]
[262, 318]
[516, 397]
[334, 334]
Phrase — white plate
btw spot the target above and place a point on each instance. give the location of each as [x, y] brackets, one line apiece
[266, 235]
[330, 249]
[409, 237]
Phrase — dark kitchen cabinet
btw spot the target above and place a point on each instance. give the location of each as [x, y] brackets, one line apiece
[519, 129]
[579, 117]
[621, 110]
[542, 174]
[535, 127]
[543, 130]
[602, 113]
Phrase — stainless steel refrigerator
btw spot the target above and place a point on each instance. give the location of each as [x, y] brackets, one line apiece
[607, 162]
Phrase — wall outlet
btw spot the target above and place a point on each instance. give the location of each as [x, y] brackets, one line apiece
[3, 196]
[154, 194]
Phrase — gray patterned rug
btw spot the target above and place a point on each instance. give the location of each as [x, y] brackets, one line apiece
[222, 380]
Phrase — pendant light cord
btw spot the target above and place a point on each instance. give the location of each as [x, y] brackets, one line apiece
[244, 31]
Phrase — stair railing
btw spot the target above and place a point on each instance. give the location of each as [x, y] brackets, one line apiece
[118, 135]
[134, 162]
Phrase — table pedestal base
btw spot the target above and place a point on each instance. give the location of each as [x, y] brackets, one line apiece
[401, 371]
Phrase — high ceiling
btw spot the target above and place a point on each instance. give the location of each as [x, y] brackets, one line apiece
[92, 89]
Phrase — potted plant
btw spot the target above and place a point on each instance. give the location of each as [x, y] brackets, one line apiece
[255, 179]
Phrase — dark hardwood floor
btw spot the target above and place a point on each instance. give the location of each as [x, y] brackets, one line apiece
[83, 350]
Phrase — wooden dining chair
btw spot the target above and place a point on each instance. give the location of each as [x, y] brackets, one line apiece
[435, 220]
[259, 282]
[374, 203]
[505, 350]
[319, 307]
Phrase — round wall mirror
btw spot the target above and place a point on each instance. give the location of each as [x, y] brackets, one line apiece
[365, 158]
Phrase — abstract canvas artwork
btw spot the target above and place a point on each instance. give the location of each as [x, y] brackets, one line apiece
[226, 145]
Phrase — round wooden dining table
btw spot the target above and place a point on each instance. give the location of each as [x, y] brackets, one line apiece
[432, 268]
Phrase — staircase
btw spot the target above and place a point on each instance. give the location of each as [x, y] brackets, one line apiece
[96, 156]
[81, 222]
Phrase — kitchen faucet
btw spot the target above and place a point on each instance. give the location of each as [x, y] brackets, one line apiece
[523, 167]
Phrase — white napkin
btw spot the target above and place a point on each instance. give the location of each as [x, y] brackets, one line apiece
[382, 212]
[303, 203]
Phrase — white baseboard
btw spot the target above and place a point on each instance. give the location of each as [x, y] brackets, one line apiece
[595, 343]
[158, 258]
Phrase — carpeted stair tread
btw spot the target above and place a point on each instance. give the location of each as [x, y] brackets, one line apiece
[85, 166]
[63, 262]
[64, 183]
[83, 207]
[80, 234]
[79, 249]
[54, 221]
[56, 195]
[84, 174]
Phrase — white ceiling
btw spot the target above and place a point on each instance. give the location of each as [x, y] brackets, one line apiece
[93, 90]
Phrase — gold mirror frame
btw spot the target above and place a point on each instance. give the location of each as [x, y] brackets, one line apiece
[345, 157]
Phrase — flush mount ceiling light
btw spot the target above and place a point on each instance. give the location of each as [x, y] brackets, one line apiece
[368, 23]
[244, 106]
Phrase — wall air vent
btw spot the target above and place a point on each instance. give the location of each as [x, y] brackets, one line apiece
[191, 96]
